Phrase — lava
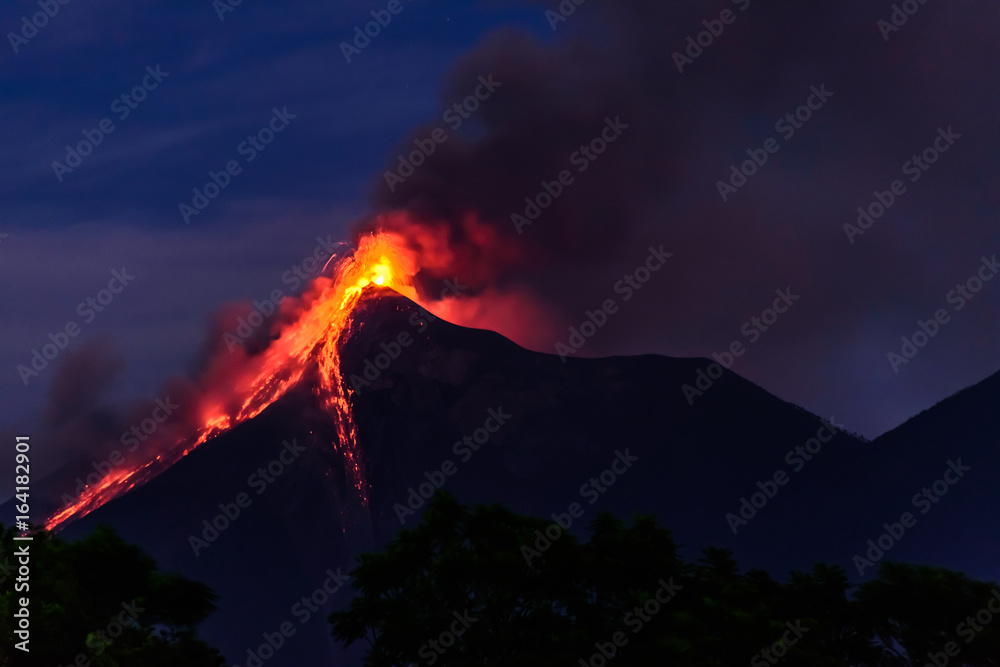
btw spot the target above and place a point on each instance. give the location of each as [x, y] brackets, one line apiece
[381, 261]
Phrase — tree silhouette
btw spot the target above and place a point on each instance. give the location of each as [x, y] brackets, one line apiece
[485, 586]
[106, 600]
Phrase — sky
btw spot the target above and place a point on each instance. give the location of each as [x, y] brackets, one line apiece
[675, 122]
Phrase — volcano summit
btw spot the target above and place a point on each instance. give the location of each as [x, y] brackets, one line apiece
[287, 528]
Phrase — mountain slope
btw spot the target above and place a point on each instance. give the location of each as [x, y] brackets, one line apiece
[960, 525]
[623, 420]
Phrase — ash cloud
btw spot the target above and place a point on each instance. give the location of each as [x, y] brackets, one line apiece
[81, 380]
[658, 183]
[85, 436]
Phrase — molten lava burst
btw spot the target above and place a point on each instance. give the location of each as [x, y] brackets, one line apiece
[381, 260]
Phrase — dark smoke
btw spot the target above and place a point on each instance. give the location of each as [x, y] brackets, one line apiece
[81, 381]
[657, 183]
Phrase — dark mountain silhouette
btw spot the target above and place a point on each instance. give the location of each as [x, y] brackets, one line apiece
[688, 464]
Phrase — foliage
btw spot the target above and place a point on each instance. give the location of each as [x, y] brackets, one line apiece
[563, 605]
[104, 599]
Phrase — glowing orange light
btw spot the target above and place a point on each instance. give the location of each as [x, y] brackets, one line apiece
[381, 260]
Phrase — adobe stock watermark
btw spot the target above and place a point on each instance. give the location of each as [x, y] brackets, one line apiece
[924, 501]
[562, 12]
[696, 44]
[121, 107]
[372, 29]
[968, 630]
[304, 610]
[297, 275]
[593, 489]
[131, 438]
[779, 649]
[259, 481]
[753, 329]
[635, 620]
[900, 15]
[455, 116]
[37, 21]
[915, 167]
[768, 489]
[627, 286]
[958, 297]
[432, 650]
[249, 149]
[581, 158]
[786, 126]
[88, 310]
[463, 449]
[389, 352]
[99, 640]
[223, 7]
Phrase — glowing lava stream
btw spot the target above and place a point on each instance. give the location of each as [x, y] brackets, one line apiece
[381, 260]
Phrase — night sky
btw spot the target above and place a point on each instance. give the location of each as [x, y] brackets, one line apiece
[879, 97]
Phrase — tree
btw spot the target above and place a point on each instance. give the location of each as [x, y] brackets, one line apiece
[485, 586]
[104, 599]
[917, 611]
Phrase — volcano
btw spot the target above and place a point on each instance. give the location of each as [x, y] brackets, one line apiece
[267, 513]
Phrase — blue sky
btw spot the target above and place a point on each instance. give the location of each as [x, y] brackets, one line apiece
[119, 208]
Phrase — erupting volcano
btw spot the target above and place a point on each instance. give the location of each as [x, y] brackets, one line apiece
[325, 317]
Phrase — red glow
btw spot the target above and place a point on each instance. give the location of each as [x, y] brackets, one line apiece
[382, 261]
[237, 387]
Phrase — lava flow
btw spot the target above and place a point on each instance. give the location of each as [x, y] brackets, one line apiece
[382, 260]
